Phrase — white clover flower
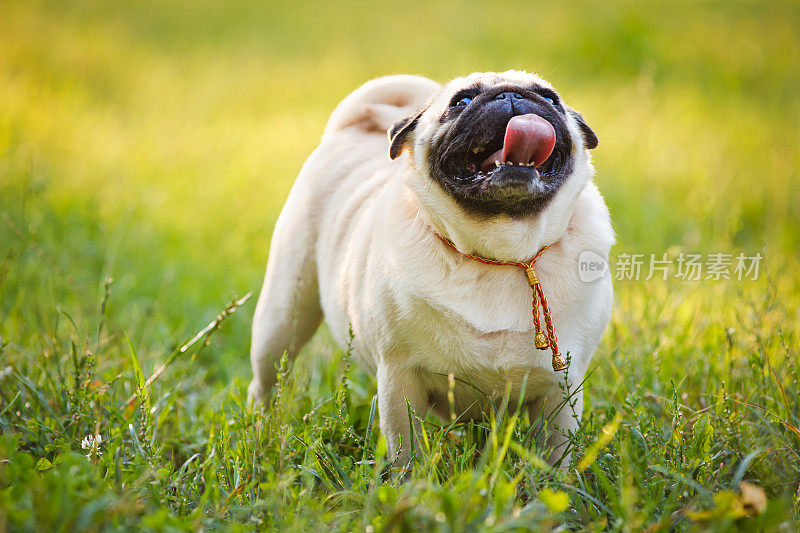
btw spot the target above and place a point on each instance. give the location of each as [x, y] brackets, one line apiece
[91, 443]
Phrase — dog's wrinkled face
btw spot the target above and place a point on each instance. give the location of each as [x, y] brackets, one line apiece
[496, 143]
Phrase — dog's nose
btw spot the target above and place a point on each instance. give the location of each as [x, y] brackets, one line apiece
[508, 95]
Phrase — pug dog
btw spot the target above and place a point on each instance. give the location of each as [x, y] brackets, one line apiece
[402, 241]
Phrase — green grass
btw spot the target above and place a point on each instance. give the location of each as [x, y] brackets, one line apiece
[154, 143]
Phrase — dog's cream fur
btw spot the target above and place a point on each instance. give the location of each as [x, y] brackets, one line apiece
[355, 244]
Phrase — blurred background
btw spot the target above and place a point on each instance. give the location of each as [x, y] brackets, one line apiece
[155, 142]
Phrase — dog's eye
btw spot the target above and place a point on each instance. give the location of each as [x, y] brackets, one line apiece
[463, 102]
[548, 98]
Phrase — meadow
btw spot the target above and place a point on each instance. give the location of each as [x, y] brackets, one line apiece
[146, 149]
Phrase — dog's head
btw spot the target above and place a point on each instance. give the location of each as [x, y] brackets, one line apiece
[500, 144]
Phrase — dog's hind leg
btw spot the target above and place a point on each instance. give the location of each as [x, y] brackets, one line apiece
[288, 310]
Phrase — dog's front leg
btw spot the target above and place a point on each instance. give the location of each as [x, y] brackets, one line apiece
[398, 389]
[563, 415]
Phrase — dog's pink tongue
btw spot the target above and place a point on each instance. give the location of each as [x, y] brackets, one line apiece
[529, 140]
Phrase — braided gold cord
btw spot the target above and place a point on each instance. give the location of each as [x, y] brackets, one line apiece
[558, 362]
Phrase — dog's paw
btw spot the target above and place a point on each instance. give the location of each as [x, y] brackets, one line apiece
[256, 394]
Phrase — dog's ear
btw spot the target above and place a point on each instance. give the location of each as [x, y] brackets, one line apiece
[589, 136]
[399, 132]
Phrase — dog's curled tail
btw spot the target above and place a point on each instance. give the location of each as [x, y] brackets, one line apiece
[379, 103]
